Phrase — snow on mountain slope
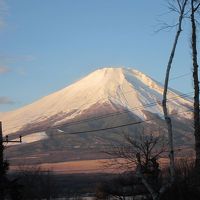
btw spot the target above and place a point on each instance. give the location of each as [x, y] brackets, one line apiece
[128, 88]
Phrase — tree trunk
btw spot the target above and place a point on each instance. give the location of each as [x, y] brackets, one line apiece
[164, 102]
[196, 87]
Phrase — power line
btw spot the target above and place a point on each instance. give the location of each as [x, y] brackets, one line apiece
[180, 76]
[108, 128]
[123, 112]
[119, 113]
[120, 126]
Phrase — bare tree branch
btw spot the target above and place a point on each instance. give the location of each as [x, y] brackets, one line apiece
[197, 7]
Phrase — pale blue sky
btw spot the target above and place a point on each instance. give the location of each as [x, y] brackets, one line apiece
[47, 44]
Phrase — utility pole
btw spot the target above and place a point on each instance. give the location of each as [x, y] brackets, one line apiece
[2, 175]
[3, 163]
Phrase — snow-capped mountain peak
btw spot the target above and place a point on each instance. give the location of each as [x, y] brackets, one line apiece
[123, 87]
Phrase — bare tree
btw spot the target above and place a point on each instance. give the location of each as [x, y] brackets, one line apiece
[143, 153]
[195, 5]
[148, 146]
[179, 7]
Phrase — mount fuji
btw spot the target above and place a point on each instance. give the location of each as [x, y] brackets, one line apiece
[107, 97]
